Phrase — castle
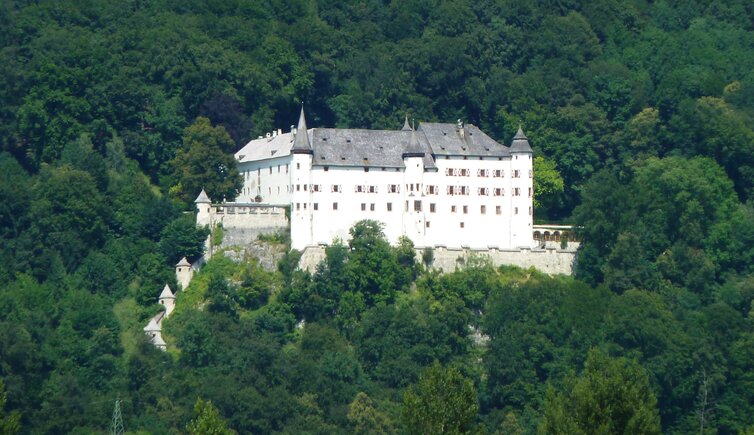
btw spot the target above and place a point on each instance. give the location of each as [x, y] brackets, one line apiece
[441, 185]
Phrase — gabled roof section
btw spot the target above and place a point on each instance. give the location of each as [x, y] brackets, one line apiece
[366, 148]
[520, 143]
[183, 262]
[266, 148]
[301, 143]
[202, 198]
[167, 293]
[447, 140]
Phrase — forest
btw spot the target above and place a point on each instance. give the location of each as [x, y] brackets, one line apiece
[113, 114]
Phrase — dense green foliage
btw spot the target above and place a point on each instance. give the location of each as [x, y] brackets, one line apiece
[114, 114]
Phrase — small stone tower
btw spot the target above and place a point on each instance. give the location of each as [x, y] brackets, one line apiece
[203, 209]
[522, 191]
[183, 273]
[167, 298]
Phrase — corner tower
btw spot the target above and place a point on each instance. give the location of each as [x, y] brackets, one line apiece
[522, 191]
[301, 179]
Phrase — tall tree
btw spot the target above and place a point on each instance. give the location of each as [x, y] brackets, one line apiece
[203, 162]
[612, 396]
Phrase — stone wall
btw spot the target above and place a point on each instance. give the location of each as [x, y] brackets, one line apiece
[551, 261]
[243, 223]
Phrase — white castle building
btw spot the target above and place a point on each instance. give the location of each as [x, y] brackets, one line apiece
[442, 185]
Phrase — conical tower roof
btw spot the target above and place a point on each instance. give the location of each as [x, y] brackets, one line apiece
[413, 149]
[202, 198]
[520, 143]
[406, 125]
[301, 144]
[167, 293]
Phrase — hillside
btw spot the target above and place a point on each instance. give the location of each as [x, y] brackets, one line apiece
[113, 115]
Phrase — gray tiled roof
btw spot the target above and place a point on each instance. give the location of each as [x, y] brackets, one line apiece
[446, 140]
[520, 142]
[378, 148]
[358, 147]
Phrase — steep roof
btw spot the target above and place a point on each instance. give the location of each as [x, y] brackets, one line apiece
[413, 149]
[376, 148]
[202, 198]
[520, 143]
[446, 140]
[183, 262]
[370, 148]
[167, 293]
[406, 125]
[301, 143]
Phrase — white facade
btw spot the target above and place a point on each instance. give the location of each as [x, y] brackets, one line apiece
[441, 185]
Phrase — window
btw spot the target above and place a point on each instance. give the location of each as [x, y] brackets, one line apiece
[326, 168]
[334, 205]
[298, 165]
[498, 173]
[372, 189]
[316, 188]
[298, 187]
[316, 206]
[286, 168]
[483, 209]
[305, 187]
[270, 169]
[426, 224]
[359, 189]
[530, 174]
[304, 206]
[336, 188]
[465, 209]
[366, 169]
[498, 191]
[515, 210]
[406, 206]
[483, 191]
[278, 169]
[530, 192]
[363, 206]
[298, 206]
[529, 211]
[516, 191]
[432, 207]
[516, 173]
[433, 190]
[482, 172]
[452, 209]
[389, 206]
[417, 206]
[498, 209]
[371, 207]
[463, 225]
[394, 188]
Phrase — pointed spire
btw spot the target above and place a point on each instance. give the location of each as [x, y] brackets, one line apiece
[301, 144]
[406, 125]
[520, 143]
[413, 149]
[203, 198]
[167, 293]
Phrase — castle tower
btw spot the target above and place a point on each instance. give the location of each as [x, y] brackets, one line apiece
[522, 191]
[301, 173]
[183, 273]
[167, 298]
[203, 209]
[413, 160]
